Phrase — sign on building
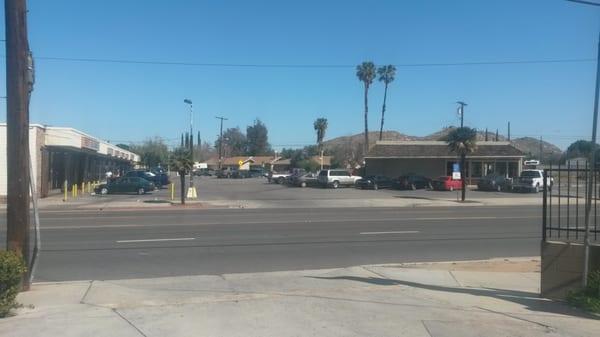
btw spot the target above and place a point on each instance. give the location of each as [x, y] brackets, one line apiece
[89, 143]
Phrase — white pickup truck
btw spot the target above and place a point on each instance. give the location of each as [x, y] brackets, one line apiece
[278, 178]
[532, 180]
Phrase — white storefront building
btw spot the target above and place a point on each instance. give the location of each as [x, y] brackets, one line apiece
[60, 154]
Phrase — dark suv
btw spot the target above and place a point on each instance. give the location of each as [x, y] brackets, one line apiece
[157, 179]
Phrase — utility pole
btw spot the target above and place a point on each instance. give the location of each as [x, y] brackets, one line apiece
[191, 190]
[509, 131]
[592, 163]
[19, 82]
[221, 140]
[461, 112]
[486, 134]
[496, 134]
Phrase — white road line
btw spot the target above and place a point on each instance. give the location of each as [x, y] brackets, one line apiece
[155, 240]
[396, 232]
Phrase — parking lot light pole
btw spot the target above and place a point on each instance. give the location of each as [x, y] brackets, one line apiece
[221, 140]
[592, 163]
[191, 190]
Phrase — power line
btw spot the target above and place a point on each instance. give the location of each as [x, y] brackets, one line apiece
[310, 66]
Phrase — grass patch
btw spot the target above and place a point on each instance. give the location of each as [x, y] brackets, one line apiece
[588, 298]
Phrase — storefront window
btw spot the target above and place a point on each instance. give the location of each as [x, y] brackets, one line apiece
[477, 169]
[502, 168]
[513, 169]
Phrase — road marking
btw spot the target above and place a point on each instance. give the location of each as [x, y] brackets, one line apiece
[155, 240]
[395, 232]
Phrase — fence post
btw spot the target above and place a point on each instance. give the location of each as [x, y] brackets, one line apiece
[66, 190]
[545, 205]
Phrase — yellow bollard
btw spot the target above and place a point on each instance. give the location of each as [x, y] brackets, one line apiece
[73, 191]
[83, 188]
[172, 191]
[65, 187]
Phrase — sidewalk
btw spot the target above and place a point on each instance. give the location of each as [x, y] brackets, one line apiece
[497, 298]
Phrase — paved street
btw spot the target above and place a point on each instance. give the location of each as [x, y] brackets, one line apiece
[82, 245]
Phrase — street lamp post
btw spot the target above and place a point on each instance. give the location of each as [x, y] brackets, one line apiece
[592, 163]
[461, 111]
[191, 190]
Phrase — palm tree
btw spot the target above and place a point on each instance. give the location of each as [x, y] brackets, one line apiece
[366, 73]
[180, 161]
[386, 75]
[462, 141]
[320, 125]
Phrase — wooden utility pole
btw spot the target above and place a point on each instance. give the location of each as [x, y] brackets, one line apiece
[18, 86]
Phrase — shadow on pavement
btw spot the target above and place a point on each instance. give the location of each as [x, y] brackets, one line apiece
[530, 300]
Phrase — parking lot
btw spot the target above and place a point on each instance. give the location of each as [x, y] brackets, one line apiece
[258, 193]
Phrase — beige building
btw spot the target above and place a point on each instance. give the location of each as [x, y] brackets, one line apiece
[434, 159]
[60, 154]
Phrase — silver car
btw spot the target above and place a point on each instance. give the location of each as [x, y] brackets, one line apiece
[336, 178]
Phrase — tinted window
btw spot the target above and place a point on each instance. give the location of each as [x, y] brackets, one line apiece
[323, 173]
[530, 174]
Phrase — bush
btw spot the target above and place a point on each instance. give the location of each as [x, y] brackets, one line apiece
[589, 297]
[12, 268]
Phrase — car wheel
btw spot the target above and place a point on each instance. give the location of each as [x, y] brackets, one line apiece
[303, 184]
[413, 187]
[280, 181]
[141, 191]
[375, 187]
[104, 191]
[335, 184]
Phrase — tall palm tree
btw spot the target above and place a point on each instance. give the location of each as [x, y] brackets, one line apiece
[320, 125]
[386, 75]
[180, 162]
[366, 73]
[462, 141]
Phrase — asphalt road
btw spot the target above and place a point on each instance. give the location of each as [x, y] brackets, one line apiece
[82, 245]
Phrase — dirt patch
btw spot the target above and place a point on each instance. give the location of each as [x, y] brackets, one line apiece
[497, 265]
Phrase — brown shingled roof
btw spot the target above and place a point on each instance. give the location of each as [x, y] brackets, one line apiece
[437, 149]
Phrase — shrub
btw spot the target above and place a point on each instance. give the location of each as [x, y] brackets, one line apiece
[12, 268]
[589, 297]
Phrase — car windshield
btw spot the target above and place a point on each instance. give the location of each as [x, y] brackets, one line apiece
[299, 168]
[530, 174]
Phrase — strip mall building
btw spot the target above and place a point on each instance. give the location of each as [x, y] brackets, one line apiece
[60, 154]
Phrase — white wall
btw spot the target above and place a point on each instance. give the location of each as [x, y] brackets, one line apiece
[33, 150]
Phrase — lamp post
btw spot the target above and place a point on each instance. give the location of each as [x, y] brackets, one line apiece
[191, 190]
[461, 111]
[592, 164]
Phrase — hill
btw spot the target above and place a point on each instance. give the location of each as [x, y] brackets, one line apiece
[530, 146]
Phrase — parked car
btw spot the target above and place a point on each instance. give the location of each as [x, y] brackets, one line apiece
[163, 177]
[446, 183]
[307, 179]
[157, 179]
[336, 178]
[532, 181]
[125, 185]
[204, 172]
[227, 173]
[278, 178]
[374, 182]
[412, 182]
[494, 182]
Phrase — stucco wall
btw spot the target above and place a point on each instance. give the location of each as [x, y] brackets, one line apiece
[34, 137]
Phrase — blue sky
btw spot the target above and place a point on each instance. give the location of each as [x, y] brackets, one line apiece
[130, 102]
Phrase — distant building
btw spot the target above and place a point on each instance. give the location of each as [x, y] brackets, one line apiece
[434, 159]
[60, 154]
[270, 163]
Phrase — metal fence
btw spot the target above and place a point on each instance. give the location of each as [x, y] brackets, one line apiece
[564, 203]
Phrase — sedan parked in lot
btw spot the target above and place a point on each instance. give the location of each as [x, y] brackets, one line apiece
[374, 182]
[157, 179]
[494, 182]
[446, 184]
[412, 182]
[125, 185]
[308, 179]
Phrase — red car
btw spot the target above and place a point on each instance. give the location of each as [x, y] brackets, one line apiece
[446, 184]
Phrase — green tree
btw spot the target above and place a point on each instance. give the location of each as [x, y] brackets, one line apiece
[386, 75]
[580, 148]
[180, 162]
[153, 151]
[234, 142]
[258, 139]
[366, 73]
[462, 141]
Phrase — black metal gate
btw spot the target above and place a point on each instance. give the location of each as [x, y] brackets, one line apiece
[564, 203]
